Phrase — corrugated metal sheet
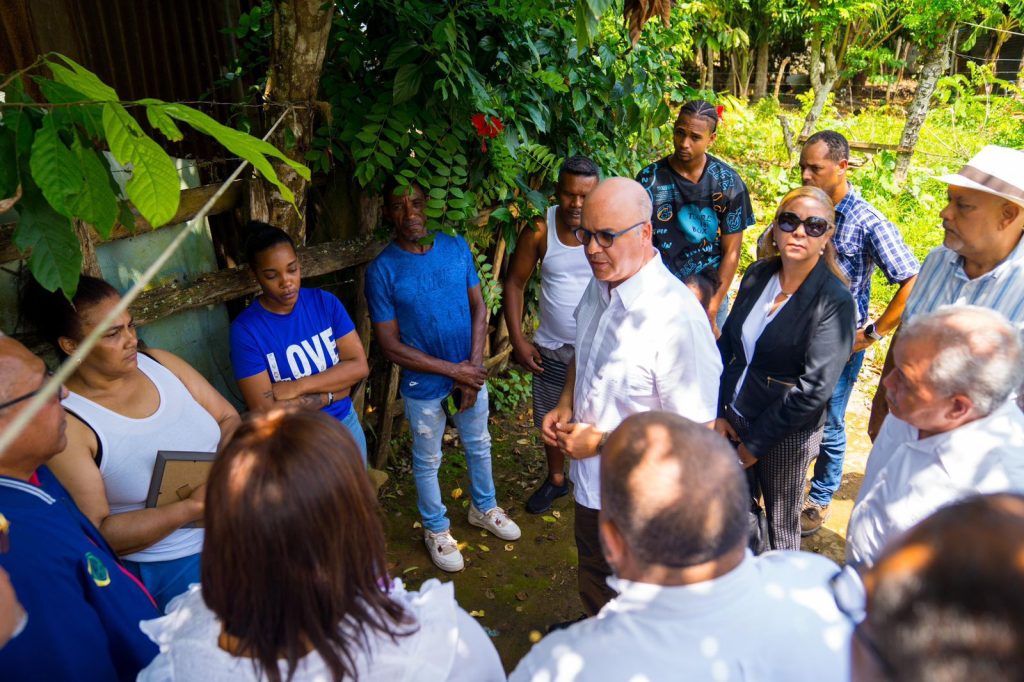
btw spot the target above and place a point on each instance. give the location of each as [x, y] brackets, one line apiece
[174, 50]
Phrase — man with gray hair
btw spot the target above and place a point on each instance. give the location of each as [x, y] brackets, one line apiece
[952, 430]
[643, 343]
[694, 603]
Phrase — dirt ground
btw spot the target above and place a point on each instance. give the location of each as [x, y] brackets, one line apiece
[516, 590]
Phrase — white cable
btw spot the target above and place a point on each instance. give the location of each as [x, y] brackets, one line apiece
[992, 28]
[67, 368]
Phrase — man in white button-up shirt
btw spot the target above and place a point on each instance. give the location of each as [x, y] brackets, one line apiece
[952, 430]
[643, 343]
[693, 603]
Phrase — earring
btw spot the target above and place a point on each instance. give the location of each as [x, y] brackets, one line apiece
[822, 252]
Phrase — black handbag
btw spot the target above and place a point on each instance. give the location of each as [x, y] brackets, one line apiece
[759, 541]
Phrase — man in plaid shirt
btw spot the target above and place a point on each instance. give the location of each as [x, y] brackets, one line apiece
[863, 238]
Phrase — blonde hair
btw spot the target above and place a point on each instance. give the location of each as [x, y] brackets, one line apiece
[768, 249]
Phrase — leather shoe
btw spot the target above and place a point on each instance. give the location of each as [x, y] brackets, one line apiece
[812, 518]
[540, 501]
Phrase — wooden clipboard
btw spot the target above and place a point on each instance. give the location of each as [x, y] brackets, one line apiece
[175, 475]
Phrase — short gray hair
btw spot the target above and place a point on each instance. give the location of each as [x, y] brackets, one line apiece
[980, 354]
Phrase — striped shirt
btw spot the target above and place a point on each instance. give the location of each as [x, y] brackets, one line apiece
[644, 345]
[943, 282]
[864, 238]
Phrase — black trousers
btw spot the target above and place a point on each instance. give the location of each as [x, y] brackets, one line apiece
[593, 569]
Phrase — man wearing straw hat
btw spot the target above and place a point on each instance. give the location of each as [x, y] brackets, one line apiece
[981, 260]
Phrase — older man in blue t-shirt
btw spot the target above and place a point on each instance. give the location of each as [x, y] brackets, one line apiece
[83, 606]
[428, 315]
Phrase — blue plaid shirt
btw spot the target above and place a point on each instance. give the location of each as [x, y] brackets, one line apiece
[864, 238]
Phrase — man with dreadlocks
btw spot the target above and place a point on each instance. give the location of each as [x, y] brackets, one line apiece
[701, 205]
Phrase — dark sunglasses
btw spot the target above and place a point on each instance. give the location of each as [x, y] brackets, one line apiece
[813, 226]
[4, 406]
[605, 238]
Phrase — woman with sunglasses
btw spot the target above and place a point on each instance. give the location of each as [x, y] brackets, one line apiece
[124, 405]
[783, 348]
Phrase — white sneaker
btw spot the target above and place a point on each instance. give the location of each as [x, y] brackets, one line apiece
[496, 521]
[444, 550]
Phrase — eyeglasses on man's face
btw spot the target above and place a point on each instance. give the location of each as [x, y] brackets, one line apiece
[30, 394]
[604, 238]
[848, 591]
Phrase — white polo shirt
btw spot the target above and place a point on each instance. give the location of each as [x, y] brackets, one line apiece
[772, 618]
[644, 345]
[907, 479]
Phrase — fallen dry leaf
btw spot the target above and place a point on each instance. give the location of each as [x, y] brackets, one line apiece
[417, 524]
[410, 569]
[456, 493]
[523, 441]
[557, 514]
[535, 636]
[509, 547]
[478, 614]
[548, 519]
[522, 596]
[484, 548]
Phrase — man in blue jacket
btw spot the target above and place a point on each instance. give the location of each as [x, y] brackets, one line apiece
[83, 607]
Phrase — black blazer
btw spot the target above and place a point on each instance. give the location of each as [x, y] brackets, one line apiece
[798, 357]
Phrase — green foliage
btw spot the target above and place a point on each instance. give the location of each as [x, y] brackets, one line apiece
[52, 150]
[510, 391]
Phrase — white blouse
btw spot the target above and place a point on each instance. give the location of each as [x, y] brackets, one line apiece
[758, 318]
[445, 644]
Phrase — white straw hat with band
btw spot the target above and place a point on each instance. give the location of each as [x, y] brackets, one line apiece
[995, 170]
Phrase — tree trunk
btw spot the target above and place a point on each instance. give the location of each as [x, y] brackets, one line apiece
[934, 66]
[781, 75]
[761, 70]
[997, 48]
[296, 59]
[711, 69]
[821, 82]
[1020, 73]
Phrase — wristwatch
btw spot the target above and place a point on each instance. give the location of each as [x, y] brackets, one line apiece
[870, 332]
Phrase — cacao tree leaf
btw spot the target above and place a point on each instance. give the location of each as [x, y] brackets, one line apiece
[154, 187]
[96, 204]
[159, 119]
[85, 115]
[54, 168]
[252, 149]
[56, 258]
[81, 79]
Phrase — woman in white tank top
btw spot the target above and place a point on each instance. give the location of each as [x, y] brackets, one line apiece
[123, 407]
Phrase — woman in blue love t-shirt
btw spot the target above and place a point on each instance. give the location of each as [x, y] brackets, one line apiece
[295, 346]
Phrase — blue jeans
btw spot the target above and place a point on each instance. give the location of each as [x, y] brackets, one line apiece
[427, 421]
[828, 469]
[351, 422]
[723, 312]
[165, 580]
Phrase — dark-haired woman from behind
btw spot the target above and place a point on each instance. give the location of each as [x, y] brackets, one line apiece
[295, 346]
[700, 205]
[294, 581]
[783, 348]
[123, 406]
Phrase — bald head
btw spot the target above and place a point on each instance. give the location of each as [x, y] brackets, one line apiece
[622, 207]
[945, 599]
[22, 374]
[674, 490]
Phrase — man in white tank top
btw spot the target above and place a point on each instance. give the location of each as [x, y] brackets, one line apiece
[564, 276]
